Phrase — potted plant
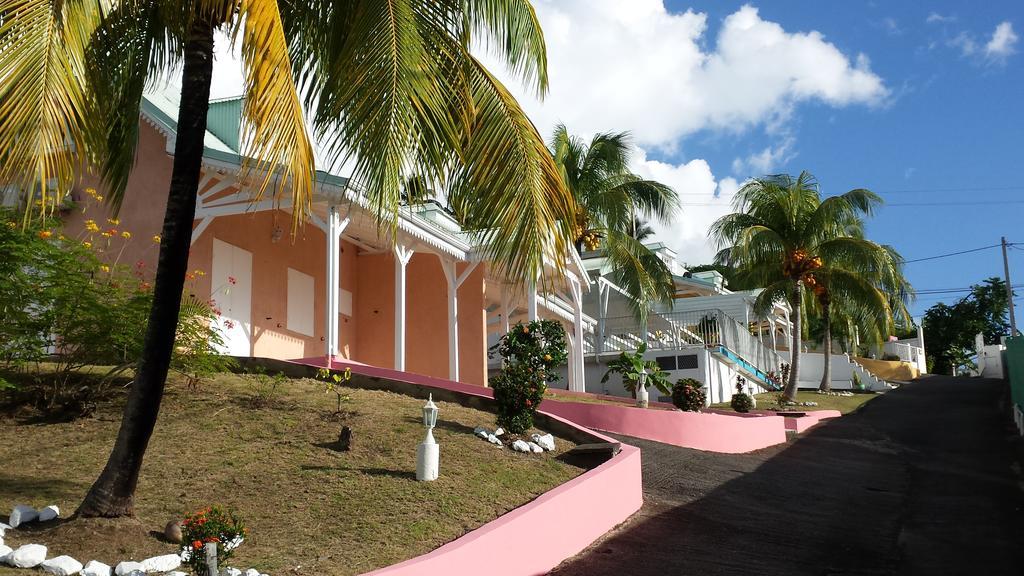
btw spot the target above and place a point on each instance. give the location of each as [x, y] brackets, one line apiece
[637, 374]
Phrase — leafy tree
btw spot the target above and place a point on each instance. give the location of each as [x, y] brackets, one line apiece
[784, 237]
[390, 84]
[609, 199]
[949, 330]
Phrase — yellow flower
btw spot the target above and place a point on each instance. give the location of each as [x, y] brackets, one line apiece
[104, 268]
[62, 237]
[87, 244]
[114, 221]
[107, 233]
[99, 198]
[156, 238]
[126, 235]
[200, 273]
[91, 226]
[91, 192]
[44, 234]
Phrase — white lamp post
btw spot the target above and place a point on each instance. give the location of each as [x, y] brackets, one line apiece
[428, 453]
[641, 389]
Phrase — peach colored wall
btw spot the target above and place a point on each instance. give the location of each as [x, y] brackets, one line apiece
[347, 326]
[142, 211]
[472, 327]
[426, 326]
[375, 309]
[270, 261]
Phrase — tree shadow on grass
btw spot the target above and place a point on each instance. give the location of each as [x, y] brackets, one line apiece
[444, 425]
[33, 489]
[400, 474]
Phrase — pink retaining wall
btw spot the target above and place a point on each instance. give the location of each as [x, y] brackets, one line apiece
[812, 419]
[536, 537]
[702, 431]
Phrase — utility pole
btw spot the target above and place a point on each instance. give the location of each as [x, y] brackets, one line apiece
[1009, 290]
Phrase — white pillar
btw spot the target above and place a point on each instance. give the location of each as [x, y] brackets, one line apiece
[577, 310]
[603, 291]
[402, 256]
[454, 282]
[506, 308]
[335, 227]
[531, 301]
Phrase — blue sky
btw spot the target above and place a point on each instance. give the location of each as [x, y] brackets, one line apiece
[953, 121]
[920, 102]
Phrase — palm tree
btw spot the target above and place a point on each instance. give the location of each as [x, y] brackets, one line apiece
[862, 283]
[784, 237]
[641, 230]
[610, 200]
[390, 84]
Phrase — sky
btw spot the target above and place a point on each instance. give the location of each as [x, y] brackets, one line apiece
[919, 102]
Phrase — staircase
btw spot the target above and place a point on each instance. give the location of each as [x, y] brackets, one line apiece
[725, 337]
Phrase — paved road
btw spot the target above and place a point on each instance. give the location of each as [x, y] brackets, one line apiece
[924, 480]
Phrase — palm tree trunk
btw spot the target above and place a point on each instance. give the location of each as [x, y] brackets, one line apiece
[114, 491]
[826, 374]
[796, 303]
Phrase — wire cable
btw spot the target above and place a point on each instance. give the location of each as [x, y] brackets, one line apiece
[952, 254]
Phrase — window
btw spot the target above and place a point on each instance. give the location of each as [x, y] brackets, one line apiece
[688, 362]
[300, 302]
[666, 363]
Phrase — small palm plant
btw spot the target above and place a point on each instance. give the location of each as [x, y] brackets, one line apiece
[632, 367]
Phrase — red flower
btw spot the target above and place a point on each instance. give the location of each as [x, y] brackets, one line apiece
[529, 402]
[231, 280]
[197, 544]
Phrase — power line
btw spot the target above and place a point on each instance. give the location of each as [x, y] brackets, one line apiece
[952, 254]
[909, 190]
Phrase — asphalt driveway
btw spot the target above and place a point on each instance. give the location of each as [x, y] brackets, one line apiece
[924, 480]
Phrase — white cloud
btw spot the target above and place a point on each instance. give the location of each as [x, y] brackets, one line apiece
[634, 65]
[936, 17]
[617, 65]
[704, 200]
[1003, 42]
[767, 161]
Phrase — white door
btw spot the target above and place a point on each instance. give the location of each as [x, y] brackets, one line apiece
[232, 292]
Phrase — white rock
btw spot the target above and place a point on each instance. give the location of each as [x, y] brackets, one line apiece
[5, 554]
[126, 568]
[500, 431]
[482, 432]
[61, 566]
[164, 563]
[520, 446]
[229, 571]
[252, 572]
[176, 573]
[27, 556]
[546, 441]
[96, 568]
[494, 440]
[49, 513]
[22, 514]
[535, 447]
[3, 528]
[136, 573]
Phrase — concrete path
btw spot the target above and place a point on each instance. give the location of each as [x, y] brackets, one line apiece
[924, 480]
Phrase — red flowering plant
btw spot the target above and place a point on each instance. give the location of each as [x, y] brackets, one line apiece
[210, 525]
[530, 353]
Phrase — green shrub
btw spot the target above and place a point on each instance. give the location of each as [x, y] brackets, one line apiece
[891, 357]
[530, 353]
[741, 401]
[689, 395]
[211, 525]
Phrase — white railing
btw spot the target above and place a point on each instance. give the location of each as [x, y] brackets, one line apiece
[676, 330]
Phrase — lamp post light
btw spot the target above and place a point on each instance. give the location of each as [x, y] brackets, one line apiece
[641, 389]
[428, 453]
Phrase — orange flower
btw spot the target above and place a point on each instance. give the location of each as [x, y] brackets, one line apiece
[44, 234]
[197, 544]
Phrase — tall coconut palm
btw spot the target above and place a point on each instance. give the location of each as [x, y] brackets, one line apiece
[781, 237]
[610, 199]
[389, 84]
[862, 283]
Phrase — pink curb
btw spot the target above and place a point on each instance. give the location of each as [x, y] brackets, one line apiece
[812, 419]
[536, 537]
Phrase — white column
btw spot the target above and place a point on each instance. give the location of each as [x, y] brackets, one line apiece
[402, 256]
[335, 227]
[506, 308]
[577, 309]
[454, 282]
[571, 368]
[531, 301]
[603, 291]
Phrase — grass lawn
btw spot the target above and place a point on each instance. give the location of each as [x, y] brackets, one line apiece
[304, 503]
[844, 404]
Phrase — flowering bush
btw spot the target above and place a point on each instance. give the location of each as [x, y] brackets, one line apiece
[689, 395]
[210, 525]
[530, 354]
[630, 366]
[741, 401]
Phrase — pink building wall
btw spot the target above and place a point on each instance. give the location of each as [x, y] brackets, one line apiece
[366, 336]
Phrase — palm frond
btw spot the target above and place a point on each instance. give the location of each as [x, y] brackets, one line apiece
[43, 101]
